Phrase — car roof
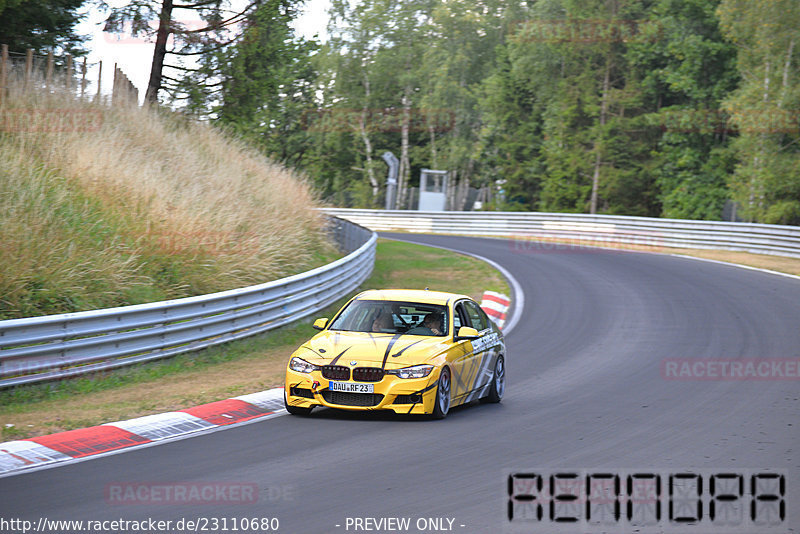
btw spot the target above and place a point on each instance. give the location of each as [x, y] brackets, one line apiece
[411, 295]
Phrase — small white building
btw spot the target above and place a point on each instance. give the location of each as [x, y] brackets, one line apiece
[433, 190]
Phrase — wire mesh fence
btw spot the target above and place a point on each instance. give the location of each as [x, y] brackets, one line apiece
[28, 72]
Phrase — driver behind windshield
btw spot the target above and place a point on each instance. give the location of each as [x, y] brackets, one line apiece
[383, 322]
[431, 325]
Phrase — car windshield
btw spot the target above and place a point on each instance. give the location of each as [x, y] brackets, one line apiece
[389, 317]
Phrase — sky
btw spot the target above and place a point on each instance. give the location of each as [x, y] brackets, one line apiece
[135, 55]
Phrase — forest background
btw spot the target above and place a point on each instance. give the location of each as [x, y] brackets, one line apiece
[661, 108]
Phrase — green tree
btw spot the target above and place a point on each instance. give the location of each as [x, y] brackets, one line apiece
[576, 115]
[685, 76]
[766, 180]
[41, 25]
[266, 84]
[591, 154]
[512, 106]
[161, 19]
[353, 97]
[460, 56]
[402, 40]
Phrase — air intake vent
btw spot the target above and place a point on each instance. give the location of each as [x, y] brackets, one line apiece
[336, 372]
[352, 399]
[302, 392]
[408, 399]
[368, 374]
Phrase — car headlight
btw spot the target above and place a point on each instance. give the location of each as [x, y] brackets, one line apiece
[301, 366]
[416, 371]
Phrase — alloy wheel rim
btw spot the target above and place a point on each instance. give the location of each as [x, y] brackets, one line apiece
[444, 392]
[500, 374]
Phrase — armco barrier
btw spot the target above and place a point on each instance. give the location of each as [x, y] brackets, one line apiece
[58, 346]
[587, 230]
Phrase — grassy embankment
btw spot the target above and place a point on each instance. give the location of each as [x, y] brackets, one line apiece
[234, 369]
[107, 206]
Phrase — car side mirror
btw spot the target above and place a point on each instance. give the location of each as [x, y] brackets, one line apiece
[467, 332]
[321, 323]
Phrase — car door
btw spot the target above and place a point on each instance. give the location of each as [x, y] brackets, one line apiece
[461, 355]
[480, 365]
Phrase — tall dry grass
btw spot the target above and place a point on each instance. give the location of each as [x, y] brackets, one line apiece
[108, 206]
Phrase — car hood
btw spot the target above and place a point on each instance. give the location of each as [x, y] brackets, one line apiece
[370, 349]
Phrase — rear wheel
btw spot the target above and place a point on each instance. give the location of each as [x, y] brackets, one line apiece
[498, 385]
[442, 404]
[295, 410]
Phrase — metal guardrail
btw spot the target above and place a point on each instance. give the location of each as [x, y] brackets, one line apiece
[59, 346]
[534, 230]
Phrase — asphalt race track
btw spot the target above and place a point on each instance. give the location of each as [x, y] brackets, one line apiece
[586, 391]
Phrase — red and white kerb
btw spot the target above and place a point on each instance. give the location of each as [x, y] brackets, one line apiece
[496, 305]
[74, 444]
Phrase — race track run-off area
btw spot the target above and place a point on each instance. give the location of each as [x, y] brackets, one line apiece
[602, 377]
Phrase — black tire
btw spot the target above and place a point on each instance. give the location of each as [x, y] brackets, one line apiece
[296, 410]
[498, 385]
[443, 390]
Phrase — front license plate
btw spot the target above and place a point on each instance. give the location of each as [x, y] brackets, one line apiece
[351, 387]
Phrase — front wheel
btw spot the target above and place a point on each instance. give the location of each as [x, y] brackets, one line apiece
[498, 385]
[442, 404]
[295, 410]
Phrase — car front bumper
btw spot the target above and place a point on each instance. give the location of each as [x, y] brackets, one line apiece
[411, 396]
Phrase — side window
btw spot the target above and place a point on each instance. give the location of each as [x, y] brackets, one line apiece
[486, 318]
[476, 318]
[459, 318]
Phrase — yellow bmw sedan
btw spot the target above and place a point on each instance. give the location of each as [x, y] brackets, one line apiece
[409, 351]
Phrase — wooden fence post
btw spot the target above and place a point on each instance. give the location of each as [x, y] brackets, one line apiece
[114, 87]
[49, 75]
[83, 78]
[3, 72]
[28, 66]
[99, 80]
[134, 94]
[131, 90]
[69, 71]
